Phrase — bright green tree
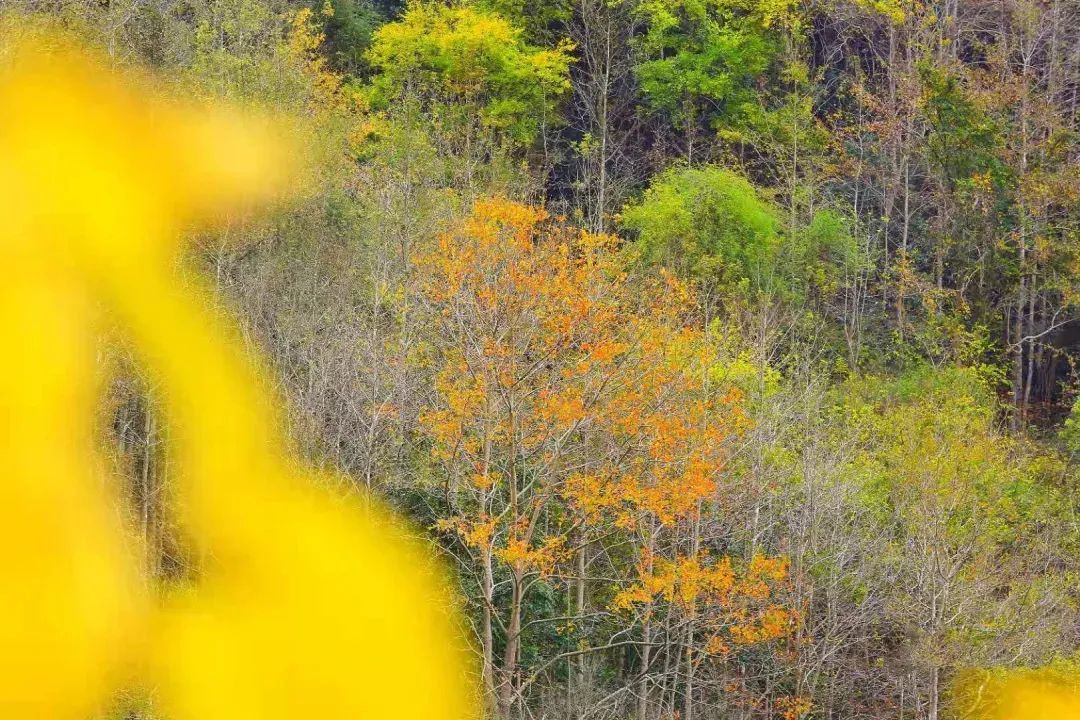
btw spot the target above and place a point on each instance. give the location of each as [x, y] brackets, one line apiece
[699, 60]
[708, 223]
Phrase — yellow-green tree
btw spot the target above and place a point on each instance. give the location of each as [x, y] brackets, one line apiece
[470, 70]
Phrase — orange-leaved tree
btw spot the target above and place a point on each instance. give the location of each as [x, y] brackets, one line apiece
[568, 403]
[669, 426]
[529, 321]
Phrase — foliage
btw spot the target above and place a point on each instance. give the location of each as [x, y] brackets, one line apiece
[959, 498]
[832, 347]
[463, 61]
[699, 57]
[543, 21]
[350, 25]
[963, 139]
[708, 223]
[547, 355]
[827, 250]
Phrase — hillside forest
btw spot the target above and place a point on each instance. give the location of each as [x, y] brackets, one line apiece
[725, 350]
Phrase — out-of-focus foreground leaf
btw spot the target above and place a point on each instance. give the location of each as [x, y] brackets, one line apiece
[304, 605]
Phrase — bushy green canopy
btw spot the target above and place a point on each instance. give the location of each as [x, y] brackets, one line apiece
[707, 221]
[472, 60]
[700, 57]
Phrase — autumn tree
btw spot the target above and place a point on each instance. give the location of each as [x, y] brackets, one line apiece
[528, 316]
[567, 407]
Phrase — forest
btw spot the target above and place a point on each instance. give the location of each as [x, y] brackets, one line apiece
[725, 351]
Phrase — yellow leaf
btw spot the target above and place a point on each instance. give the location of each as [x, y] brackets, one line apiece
[305, 605]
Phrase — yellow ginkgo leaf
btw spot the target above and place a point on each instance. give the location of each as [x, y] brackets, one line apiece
[304, 605]
[1023, 699]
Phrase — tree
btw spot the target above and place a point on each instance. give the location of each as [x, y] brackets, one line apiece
[527, 316]
[708, 223]
[964, 507]
[469, 69]
[566, 407]
[697, 60]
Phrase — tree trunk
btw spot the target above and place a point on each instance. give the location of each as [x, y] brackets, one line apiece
[510, 652]
[486, 639]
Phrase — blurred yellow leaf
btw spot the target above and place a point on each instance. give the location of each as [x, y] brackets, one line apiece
[1033, 700]
[304, 605]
